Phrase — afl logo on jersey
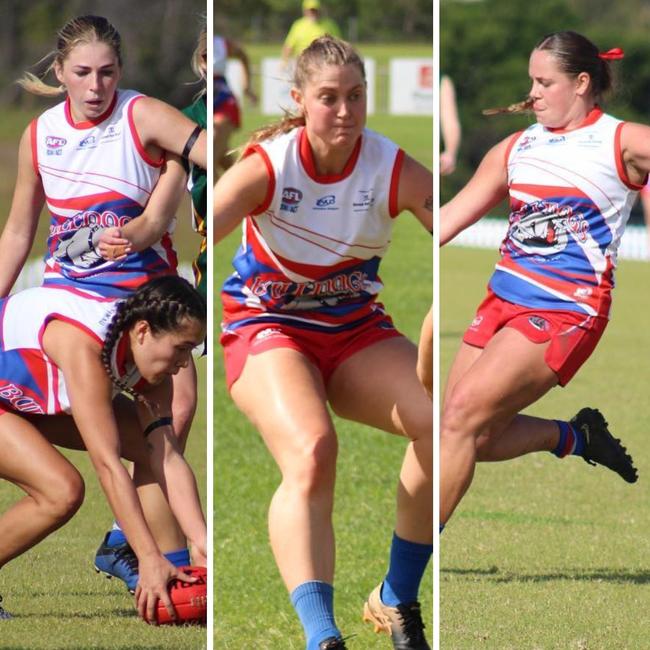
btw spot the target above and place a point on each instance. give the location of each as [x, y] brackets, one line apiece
[291, 198]
[54, 145]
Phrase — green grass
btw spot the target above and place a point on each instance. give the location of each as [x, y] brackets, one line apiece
[545, 553]
[252, 607]
[54, 593]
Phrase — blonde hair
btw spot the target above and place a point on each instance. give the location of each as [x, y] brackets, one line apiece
[325, 50]
[78, 31]
[200, 55]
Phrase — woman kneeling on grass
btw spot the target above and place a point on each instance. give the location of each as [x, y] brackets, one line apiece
[318, 194]
[73, 356]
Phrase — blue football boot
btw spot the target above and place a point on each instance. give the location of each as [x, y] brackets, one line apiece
[117, 561]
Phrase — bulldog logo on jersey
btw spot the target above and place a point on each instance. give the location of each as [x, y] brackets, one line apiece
[543, 228]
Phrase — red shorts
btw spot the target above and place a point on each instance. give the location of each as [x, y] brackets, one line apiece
[573, 336]
[228, 109]
[324, 349]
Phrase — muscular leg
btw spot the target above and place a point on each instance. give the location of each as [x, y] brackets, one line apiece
[524, 434]
[54, 489]
[485, 392]
[378, 386]
[425, 353]
[282, 394]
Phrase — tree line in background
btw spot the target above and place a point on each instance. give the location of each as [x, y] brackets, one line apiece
[359, 20]
[485, 45]
[158, 37]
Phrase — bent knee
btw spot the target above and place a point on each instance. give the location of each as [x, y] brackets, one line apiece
[312, 468]
[65, 496]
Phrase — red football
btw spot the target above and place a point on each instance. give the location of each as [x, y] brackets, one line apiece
[190, 599]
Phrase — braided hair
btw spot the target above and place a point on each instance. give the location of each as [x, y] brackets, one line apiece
[163, 303]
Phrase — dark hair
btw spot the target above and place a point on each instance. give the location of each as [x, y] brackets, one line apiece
[575, 54]
[163, 303]
[79, 30]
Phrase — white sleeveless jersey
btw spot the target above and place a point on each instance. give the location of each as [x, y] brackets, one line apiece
[570, 200]
[219, 56]
[311, 254]
[95, 175]
[30, 382]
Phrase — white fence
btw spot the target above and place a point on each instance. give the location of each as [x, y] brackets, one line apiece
[489, 233]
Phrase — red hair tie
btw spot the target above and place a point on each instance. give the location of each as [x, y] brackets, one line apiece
[614, 54]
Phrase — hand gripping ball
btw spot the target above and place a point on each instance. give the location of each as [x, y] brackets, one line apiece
[189, 599]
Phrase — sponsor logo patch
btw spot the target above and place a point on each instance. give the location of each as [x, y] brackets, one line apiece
[365, 199]
[326, 203]
[291, 198]
[539, 323]
[88, 142]
[54, 145]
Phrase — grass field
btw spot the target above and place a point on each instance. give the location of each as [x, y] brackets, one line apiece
[252, 607]
[58, 600]
[545, 553]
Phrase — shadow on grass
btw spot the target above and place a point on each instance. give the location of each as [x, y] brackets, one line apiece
[120, 613]
[521, 518]
[494, 575]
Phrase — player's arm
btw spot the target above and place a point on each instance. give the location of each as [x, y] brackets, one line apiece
[171, 470]
[166, 127]
[238, 193]
[635, 149]
[89, 390]
[19, 231]
[290, 42]
[487, 188]
[449, 126]
[115, 243]
[415, 191]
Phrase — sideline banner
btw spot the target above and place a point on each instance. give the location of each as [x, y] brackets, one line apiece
[411, 87]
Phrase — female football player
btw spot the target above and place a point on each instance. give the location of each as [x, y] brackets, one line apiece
[318, 194]
[65, 359]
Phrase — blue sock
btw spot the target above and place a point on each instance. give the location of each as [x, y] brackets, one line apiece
[314, 604]
[571, 442]
[442, 527]
[115, 537]
[408, 560]
[180, 557]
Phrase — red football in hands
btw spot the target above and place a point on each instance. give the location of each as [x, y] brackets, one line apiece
[190, 599]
